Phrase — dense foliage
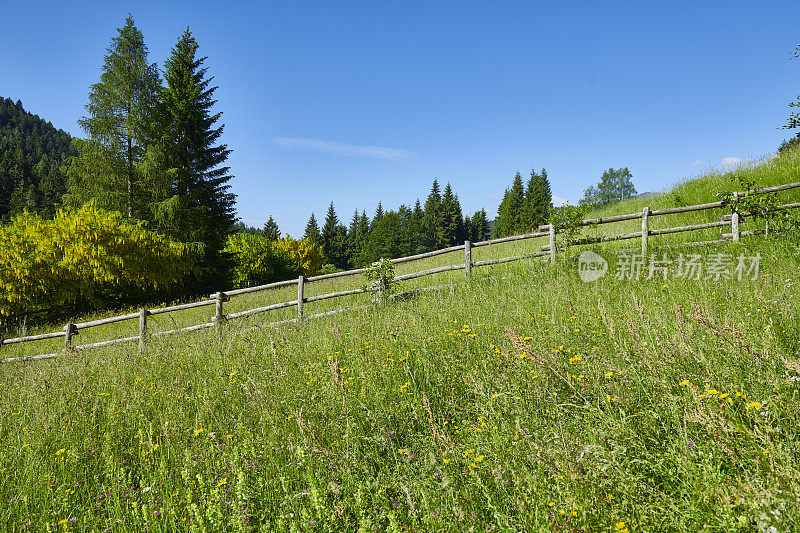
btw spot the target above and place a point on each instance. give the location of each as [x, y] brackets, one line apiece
[32, 154]
[524, 208]
[259, 259]
[406, 231]
[84, 255]
[614, 185]
[151, 151]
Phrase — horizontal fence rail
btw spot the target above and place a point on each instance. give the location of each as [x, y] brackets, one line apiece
[731, 220]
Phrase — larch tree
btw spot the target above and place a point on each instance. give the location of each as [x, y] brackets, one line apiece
[119, 126]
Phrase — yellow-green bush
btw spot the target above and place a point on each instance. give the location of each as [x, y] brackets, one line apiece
[257, 258]
[305, 255]
[83, 254]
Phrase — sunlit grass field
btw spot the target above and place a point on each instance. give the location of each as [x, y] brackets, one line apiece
[523, 399]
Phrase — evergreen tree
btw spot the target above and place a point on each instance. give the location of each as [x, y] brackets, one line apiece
[511, 212]
[481, 230]
[416, 228]
[450, 230]
[362, 238]
[271, 230]
[467, 225]
[334, 239]
[378, 214]
[364, 224]
[354, 239]
[194, 203]
[431, 218]
[538, 201]
[407, 236]
[546, 198]
[119, 125]
[384, 239]
[312, 231]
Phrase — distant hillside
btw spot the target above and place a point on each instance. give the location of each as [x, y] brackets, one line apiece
[32, 152]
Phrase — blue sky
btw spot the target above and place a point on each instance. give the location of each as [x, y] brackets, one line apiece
[355, 102]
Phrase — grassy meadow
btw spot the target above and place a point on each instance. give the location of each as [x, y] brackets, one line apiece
[524, 399]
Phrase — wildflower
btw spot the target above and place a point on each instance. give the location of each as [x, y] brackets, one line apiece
[723, 395]
[609, 374]
[446, 461]
[59, 452]
[197, 432]
[684, 383]
[223, 481]
[62, 521]
[479, 459]
[754, 405]
[620, 526]
[550, 504]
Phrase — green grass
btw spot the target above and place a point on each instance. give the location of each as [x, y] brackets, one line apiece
[524, 399]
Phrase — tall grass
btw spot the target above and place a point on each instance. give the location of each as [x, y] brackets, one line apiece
[527, 400]
[522, 400]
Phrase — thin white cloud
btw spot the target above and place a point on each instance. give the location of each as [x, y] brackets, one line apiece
[558, 201]
[699, 162]
[344, 149]
[732, 161]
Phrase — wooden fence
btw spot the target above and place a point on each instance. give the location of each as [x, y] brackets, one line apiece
[218, 299]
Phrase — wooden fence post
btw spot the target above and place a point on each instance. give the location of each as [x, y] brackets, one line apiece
[645, 229]
[219, 317]
[300, 298]
[467, 259]
[69, 331]
[552, 230]
[142, 328]
[735, 221]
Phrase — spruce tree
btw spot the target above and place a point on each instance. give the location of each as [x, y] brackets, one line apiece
[416, 225]
[271, 230]
[530, 210]
[333, 238]
[450, 229]
[511, 212]
[378, 214]
[312, 231]
[354, 238]
[501, 223]
[481, 230]
[431, 218]
[407, 236]
[195, 203]
[119, 125]
[467, 225]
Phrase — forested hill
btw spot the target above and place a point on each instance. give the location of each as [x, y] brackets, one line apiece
[32, 152]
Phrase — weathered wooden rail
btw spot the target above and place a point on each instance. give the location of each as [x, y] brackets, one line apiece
[218, 299]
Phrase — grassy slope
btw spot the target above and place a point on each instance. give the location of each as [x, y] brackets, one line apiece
[706, 189]
[464, 408]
